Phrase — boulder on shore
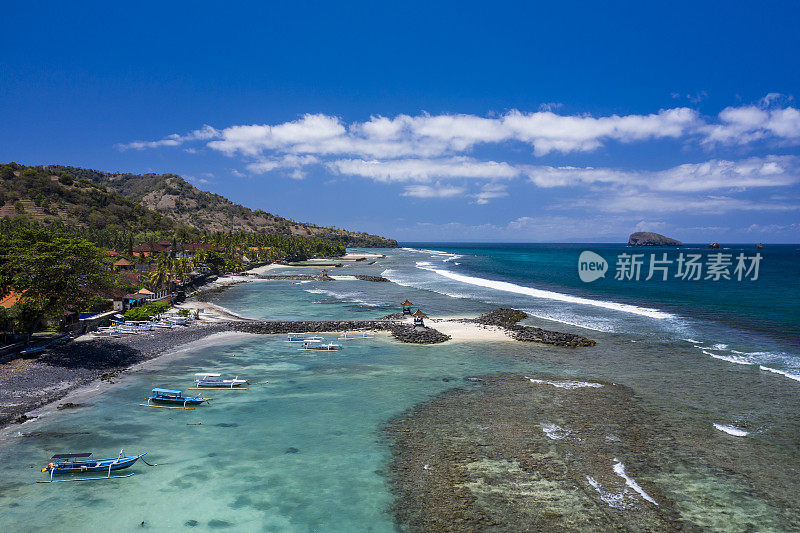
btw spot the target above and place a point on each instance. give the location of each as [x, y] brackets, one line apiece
[648, 238]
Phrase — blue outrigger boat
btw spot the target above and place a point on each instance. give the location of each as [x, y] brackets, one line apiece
[78, 463]
[174, 399]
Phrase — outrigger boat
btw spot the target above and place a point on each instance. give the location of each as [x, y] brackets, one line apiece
[174, 398]
[320, 347]
[78, 463]
[303, 337]
[355, 334]
[207, 380]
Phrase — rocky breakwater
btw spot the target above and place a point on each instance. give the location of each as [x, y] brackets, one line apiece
[402, 332]
[417, 334]
[508, 318]
[317, 277]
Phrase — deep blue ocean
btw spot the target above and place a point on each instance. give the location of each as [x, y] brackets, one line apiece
[754, 321]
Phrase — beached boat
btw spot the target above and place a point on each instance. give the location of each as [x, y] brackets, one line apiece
[303, 337]
[173, 399]
[78, 463]
[320, 347]
[211, 380]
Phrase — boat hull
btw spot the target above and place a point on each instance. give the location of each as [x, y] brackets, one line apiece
[103, 465]
[179, 401]
[221, 383]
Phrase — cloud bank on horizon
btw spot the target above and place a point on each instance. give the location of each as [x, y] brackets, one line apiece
[434, 156]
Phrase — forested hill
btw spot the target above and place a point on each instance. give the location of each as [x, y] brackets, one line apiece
[144, 203]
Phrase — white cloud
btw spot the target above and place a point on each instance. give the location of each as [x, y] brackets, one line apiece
[646, 202]
[422, 170]
[747, 124]
[434, 135]
[433, 191]
[447, 135]
[770, 171]
[490, 191]
[203, 134]
[290, 161]
[772, 229]
[549, 132]
[644, 225]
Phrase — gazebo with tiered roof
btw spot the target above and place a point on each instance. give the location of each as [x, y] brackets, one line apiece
[418, 316]
[406, 307]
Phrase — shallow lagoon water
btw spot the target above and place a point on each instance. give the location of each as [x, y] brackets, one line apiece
[306, 453]
[301, 453]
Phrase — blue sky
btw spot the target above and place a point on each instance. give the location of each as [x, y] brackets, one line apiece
[458, 121]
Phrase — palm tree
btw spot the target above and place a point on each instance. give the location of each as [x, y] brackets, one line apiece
[159, 276]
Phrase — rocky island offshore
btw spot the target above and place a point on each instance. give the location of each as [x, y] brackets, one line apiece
[648, 238]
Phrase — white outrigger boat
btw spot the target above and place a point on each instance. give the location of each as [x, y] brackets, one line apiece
[210, 380]
[355, 334]
[303, 337]
[317, 346]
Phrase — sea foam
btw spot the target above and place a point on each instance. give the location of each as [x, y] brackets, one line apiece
[730, 430]
[617, 501]
[505, 286]
[619, 469]
[569, 385]
[795, 377]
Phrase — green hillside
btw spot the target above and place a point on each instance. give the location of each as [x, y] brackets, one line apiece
[173, 197]
[148, 203]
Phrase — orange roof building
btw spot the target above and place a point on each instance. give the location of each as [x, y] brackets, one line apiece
[10, 299]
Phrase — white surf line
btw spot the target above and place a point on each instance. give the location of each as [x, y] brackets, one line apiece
[619, 469]
[569, 385]
[730, 430]
[781, 372]
[549, 295]
[728, 358]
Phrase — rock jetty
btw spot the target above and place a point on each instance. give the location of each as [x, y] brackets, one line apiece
[318, 277]
[648, 238]
[402, 332]
[508, 318]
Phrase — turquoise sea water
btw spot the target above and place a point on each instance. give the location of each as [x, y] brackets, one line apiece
[305, 452]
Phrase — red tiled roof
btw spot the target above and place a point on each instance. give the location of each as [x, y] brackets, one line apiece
[10, 299]
[123, 263]
[161, 246]
[131, 278]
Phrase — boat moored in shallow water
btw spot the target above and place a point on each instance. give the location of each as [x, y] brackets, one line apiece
[173, 399]
[208, 379]
[303, 337]
[320, 347]
[355, 334]
[78, 463]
